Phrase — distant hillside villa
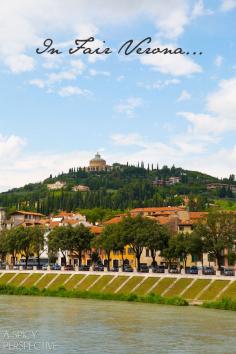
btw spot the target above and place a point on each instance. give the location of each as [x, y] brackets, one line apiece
[56, 185]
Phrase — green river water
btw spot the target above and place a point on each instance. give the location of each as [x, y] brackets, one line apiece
[67, 326]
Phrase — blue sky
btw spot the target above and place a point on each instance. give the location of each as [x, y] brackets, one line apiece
[57, 111]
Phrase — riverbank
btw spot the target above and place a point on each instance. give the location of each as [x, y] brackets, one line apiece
[62, 292]
[224, 304]
[155, 288]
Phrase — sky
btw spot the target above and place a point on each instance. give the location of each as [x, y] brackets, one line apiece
[57, 111]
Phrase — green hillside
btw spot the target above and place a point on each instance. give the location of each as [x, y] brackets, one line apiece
[121, 188]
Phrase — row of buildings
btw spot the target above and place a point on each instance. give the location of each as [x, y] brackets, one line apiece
[178, 218]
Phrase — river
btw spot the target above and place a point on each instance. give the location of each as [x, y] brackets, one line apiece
[68, 326]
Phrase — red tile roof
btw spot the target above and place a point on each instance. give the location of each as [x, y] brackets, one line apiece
[159, 209]
[96, 229]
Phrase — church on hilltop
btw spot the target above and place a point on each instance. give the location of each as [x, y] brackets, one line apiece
[98, 164]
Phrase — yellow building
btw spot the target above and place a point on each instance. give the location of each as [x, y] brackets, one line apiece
[97, 164]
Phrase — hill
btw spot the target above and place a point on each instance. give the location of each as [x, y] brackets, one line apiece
[120, 188]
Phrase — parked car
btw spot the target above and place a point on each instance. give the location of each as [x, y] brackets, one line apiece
[208, 271]
[3, 266]
[68, 267]
[193, 270]
[228, 272]
[16, 267]
[55, 267]
[84, 267]
[45, 267]
[98, 268]
[158, 269]
[128, 269]
[174, 270]
[114, 269]
[144, 268]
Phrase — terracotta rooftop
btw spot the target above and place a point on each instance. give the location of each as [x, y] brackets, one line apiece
[159, 209]
[64, 213]
[197, 214]
[96, 229]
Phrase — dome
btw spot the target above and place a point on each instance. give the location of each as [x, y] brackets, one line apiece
[97, 161]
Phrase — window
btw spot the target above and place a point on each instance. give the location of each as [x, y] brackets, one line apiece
[147, 252]
[130, 251]
[181, 228]
[195, 258]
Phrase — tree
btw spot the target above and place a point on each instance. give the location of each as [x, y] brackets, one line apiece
[169, 252]
[157, 240]
[136, 232]
[59, 239]
[37, 241]
[108, 241]
[182, 246]
[11, 243]
[218, 232]
[3, 249]
[197, 245]
[24, 242]
[119, 244]
[80, 241]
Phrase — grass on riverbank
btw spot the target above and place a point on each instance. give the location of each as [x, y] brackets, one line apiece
[162, 285]
[197, 286]
[213, 290]
[62, 292]
[18, 279]
[129, 286]
[224, 304]
[145, 287]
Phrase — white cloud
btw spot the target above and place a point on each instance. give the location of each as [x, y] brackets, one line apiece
[127, 139]
[38, 83]
[184, 96]
[218, 60]
[120, 78]
[73, 90]
[20, 63]
[220, 119]
[159, 84]
[200, 10]
[222, 102]
[24, 24]
[78, 65]
[227, 5]
[94, 72]
[30, 168]
[75, 69]
[129, 106]
[61, 76]
[173, 64]
[182, 151]
[202, 124]
[10, 146]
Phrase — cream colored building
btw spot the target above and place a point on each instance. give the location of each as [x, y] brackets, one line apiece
[56, 185]
[81, 188]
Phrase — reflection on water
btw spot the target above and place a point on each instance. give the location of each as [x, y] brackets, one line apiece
[67, 326]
